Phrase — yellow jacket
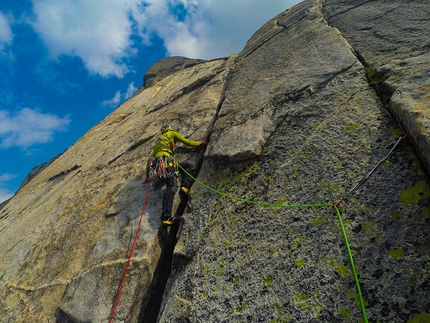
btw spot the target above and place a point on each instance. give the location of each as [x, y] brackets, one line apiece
[166, 144]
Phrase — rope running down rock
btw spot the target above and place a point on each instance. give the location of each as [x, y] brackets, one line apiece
[334, 205]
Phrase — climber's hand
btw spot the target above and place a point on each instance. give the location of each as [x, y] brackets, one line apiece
[203, 143]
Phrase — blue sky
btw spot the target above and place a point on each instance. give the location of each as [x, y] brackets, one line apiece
[66, 64]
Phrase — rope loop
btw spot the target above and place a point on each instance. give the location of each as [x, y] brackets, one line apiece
[334, 205]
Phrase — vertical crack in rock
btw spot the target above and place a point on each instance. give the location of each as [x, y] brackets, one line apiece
[151, 303]
[376, 80]
[374, 77]
[61, 317]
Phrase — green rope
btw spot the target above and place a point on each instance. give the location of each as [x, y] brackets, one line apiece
[249, 201]
[363, 309]
[357, 283]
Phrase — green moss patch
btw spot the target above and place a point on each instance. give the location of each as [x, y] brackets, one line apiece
[300, 263]
[396, 131]
[371, 228]
[414, 194]
[342, 271]
[395, 214]
[319, 221]
[231, 181]
[301, 301]
[298, 242]
[420, 318]
[279, 315]
[351, 127]
[396, 254]
[308, 302]
[268, 281]
[346, 314]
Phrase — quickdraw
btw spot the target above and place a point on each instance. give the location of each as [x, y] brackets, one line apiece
[158, 168]
[364, 179]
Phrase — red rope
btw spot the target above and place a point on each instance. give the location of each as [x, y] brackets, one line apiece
[131, 254]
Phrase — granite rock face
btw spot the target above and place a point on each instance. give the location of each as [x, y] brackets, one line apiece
[65, 235]
[316, 99]
[303, 94]
[167, 66]
[392, 39]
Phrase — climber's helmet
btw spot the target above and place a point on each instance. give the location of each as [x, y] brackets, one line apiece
[165, 127]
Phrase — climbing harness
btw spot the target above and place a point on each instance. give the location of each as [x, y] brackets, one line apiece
[130, 255]
[158, 168]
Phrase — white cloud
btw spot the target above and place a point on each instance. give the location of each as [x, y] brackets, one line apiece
[119, 97]
[5, 193]
[130, 91]
[6, 35]
[114, 101]
[208, 28]
[100, 32]
[6, 177]
[29, 127]
[96, 31]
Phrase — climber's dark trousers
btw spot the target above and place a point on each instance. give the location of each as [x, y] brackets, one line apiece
[169, 194]
[187, 180]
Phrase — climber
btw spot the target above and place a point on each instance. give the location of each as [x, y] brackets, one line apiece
[161, 168]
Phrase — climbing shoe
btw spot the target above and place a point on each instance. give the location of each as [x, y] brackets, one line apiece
[185, 191]
[168, 221]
